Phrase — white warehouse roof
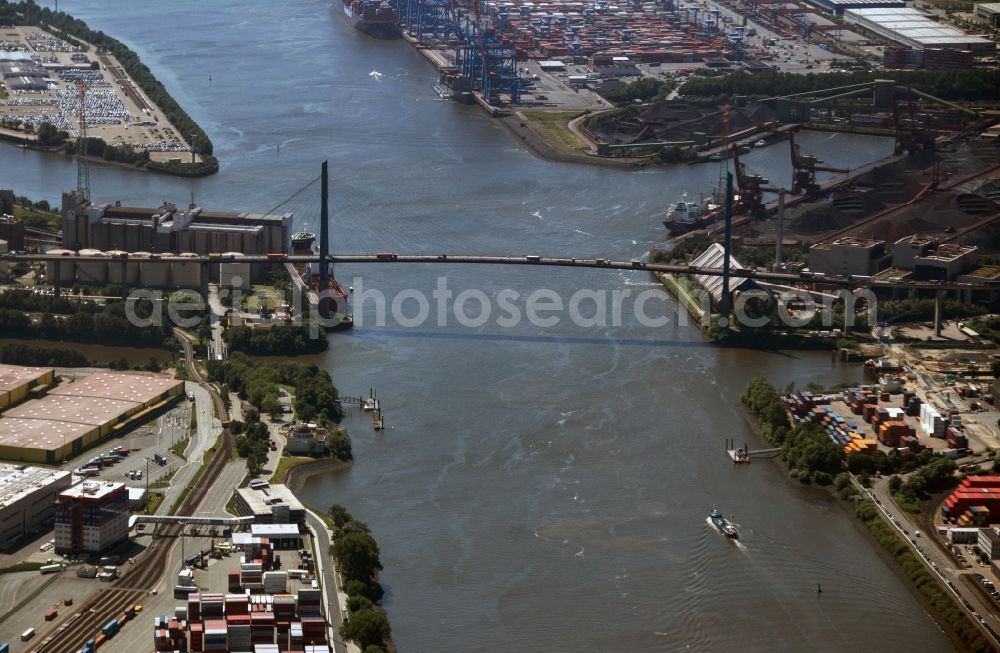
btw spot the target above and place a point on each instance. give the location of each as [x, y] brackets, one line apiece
[915, 29]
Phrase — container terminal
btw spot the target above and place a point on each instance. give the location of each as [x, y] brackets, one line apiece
[501, 53]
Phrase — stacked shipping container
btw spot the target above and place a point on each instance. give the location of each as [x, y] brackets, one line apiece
[981, 491]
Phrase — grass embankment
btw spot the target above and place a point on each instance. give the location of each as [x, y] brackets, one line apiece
[163, 481]
[286, 464]
[21, 566]
[553, 128]
[37, 218]
[153, 502]
[948, 612]
[681, 289]
[180, 447]
[205, 459]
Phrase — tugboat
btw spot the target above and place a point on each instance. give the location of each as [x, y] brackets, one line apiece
[723, 524]
[683, 216]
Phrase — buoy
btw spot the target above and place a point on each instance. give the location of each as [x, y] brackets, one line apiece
[819, 588]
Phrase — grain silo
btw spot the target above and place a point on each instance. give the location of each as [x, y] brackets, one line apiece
[154, 272]
[93, 273]
[121, 270]
[185, 273]
[234, 273]
[62, 271]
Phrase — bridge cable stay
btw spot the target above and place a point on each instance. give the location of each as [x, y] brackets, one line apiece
[291, 197]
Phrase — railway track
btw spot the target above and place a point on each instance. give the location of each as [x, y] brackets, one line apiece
[72, 633]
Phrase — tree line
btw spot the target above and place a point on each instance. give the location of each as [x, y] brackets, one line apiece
[20, 354]
[252, 439]
[316, 396]
[109, 326]
[357, 556]
[279, 340]
[810, 454]
[98, 147]
[944, 606]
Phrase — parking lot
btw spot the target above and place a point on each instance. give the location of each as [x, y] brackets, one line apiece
[113, 114]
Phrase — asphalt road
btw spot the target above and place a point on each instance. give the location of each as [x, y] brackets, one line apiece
[938, 561]
[330, 581]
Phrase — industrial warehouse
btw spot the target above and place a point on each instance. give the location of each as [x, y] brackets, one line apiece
[27, 499]
[17, 381]
[917, 30]
[77, 415]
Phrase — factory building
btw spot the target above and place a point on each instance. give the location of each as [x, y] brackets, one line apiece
[282, 536]
[91, 517]
[839, 6]
[11, 230]
[847, 256]
[167, 229]
[17, 382]
[988, 12]
[27, 499]
[917, 30]
[270, 504]
[75, 416]
[714, 257]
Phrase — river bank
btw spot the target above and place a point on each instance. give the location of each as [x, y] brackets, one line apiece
[866, 529]
[296, 477]
[26, 142]
[555, 143]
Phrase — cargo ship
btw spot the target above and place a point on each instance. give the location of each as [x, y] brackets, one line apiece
[376, 18]
[723, 524]
[684, 216]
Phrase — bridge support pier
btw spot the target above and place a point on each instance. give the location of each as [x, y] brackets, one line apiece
[57, 282]
[938, 310]
[203, 280]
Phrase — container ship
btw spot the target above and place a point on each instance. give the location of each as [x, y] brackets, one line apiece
[723, 524]
[684, 216]
[375, 18]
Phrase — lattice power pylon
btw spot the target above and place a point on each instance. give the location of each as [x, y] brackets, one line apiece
[82, 166]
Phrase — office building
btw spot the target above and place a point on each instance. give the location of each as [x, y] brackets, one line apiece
[270, 504]
[91, 517]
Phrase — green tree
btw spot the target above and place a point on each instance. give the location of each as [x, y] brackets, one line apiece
[372, 590]
[339, 444]
[339, 515]
[358, 603]
[367, 628]
[895, 483]
[48, 135]
[358, 556]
